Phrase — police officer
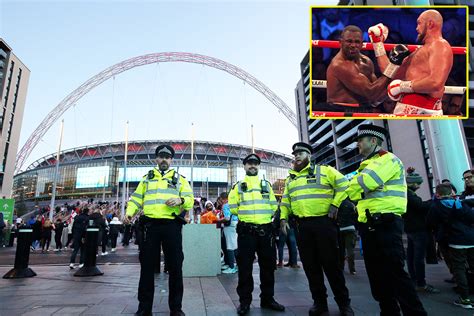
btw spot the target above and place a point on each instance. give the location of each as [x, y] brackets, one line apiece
[162, 194]
[313, 194]
[381, 191]
[254, 202]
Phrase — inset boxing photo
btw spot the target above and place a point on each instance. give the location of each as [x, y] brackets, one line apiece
[389, 62]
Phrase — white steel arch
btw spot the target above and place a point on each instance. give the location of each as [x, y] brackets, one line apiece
[128, 64]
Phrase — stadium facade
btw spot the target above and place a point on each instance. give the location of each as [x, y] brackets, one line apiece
[97, 171]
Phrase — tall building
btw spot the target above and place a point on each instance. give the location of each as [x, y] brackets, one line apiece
[14, 77]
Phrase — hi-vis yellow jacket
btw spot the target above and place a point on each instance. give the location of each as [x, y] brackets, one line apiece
[151, 195]
[253, 202]
[311, 195]
[379, 186]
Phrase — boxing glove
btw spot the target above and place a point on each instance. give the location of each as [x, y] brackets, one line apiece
[378, 34]
[396, 57]
[397, 87]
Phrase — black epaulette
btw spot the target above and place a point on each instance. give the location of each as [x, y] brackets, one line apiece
[150, 175]
[235, 185]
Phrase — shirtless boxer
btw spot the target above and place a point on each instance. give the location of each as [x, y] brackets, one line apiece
[351, 83]
[424, 72]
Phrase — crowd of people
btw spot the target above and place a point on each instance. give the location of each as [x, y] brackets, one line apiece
[68, 227]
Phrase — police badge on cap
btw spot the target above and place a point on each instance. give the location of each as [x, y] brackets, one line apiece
[164, 150]
[371, 131]
[252, 158]
[301, 146]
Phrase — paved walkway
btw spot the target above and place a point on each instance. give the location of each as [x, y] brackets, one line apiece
[55, 291]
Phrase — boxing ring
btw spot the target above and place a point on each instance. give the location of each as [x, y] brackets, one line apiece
[322, 84]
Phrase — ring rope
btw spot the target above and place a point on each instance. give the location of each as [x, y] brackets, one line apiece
[322, 84]
[388, 47]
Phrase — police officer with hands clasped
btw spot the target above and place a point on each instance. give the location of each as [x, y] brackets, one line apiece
[254, 202]
[313, 194]
[163, 194]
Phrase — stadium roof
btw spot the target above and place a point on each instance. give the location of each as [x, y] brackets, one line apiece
[143, 153]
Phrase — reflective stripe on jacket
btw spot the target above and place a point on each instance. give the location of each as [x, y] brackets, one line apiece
[307, 195]
[249, 204]
[379, 186]
[151, 195]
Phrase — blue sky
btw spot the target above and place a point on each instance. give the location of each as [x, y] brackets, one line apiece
[64, 43]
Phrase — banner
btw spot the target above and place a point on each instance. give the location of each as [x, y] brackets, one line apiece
[6, 207]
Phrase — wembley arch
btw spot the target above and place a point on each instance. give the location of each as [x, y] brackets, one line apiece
[166, 57]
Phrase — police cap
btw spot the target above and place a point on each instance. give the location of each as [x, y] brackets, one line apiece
[252, 158]
[164, 150]
[301, 146]
[371, 131]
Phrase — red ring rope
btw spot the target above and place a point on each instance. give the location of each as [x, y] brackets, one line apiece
[369, 46]
[319, 114]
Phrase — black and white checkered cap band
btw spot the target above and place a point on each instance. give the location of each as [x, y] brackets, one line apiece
[165, 150]
[301, 148]
[367, 132]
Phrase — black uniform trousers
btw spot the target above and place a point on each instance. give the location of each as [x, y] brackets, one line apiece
[318, 245]
[384, 258]
[249, 242]
[168, 233]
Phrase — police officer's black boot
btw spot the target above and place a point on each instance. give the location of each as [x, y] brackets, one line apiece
[318, 310]
[346, 310]
[243, 309]
[140, 312]
[272, 304]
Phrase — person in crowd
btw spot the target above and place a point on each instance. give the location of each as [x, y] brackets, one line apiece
[313, 193]
[78, 235]
[290, 240]
[379, 188]
[58, 233]
[127, 231]
[468, 193]
[37, 232]
[2, 230]
[197, 211]
[115, 227]
[70, 224]
[230, 233]
[13, 232]
[46, 232]
[99, 222]
[347, 220]
[104, 235]
[452, 185]
[31, 221]
[455, 221]
[254, 202]
[417, 233]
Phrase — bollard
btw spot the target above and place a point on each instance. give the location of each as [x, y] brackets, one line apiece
[90, 268]
[22, 256]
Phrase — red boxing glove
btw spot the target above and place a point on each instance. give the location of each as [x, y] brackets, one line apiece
[378, 34]
[397, 87]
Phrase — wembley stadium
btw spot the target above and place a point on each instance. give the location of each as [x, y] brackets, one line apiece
[97, 171]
